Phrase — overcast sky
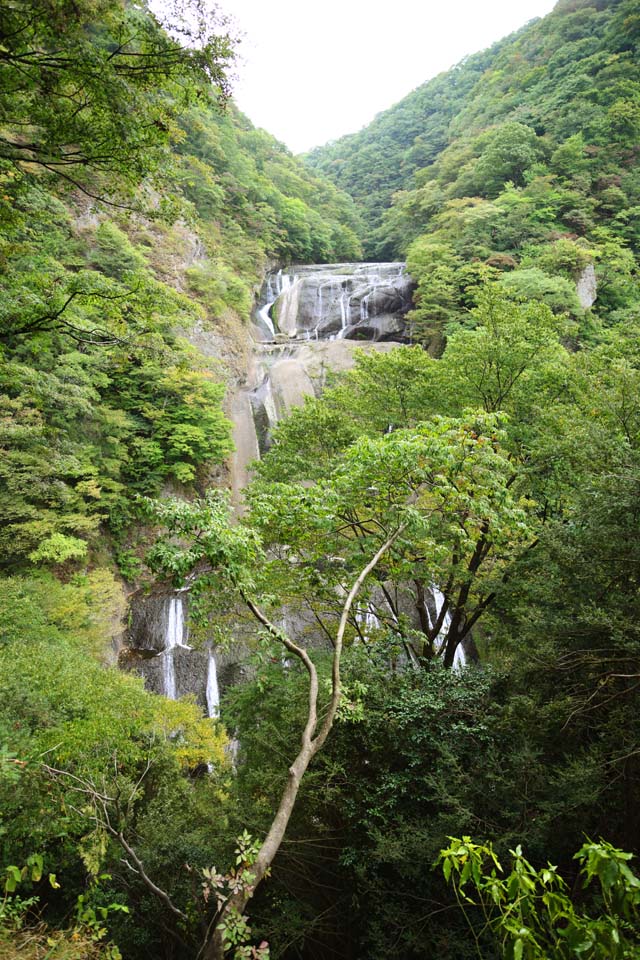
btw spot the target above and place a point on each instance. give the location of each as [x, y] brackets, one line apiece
[311, 72]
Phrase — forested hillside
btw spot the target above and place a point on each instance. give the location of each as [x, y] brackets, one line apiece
[111, 252]
[138, 211]
[431, 745]
[518, 165]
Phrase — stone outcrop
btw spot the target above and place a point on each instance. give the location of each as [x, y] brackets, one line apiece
[587, 287]
[284, 374]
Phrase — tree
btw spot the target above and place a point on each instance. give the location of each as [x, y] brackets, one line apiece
[80, 85]
[532, 912]
[511, 149]
[511, 362]
[218, 552]
[469, 526]
[418, 501]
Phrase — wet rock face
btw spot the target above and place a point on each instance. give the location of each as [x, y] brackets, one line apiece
[149, 621]
[158, 651]
[287, 373]
[353, 301]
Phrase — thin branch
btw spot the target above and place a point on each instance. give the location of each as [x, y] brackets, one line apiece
[102, 800]
[160, 894]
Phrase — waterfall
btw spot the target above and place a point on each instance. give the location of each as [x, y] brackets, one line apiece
[213, 692]
[175, 624]
[345, 309]
[277, 284]
[174, 637]
[288, 305]
[263, 313]
[368, 620]
[168, 675]
[459, 658]
[314, 301]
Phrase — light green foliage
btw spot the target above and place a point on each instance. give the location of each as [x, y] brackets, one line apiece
[565, 258]
[61, 710]
[114, 253]
[58, 548]
[100, 400]
[510, 150]
[217, 286]
[448, 480]
[531, 911]
[533, 284]
[507, 362]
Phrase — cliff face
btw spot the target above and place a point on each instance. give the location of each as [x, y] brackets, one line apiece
[314, 316]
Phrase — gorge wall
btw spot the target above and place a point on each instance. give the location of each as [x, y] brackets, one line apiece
[308, 322]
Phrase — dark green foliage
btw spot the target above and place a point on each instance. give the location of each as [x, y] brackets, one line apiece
[241, 178]
[89, 106]
[413, 757]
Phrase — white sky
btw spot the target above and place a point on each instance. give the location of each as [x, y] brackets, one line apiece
[311, 72]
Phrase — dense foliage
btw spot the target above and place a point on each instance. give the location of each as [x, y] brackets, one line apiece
[138, 211]
[101, 397]
[519, 164]
[499, 467]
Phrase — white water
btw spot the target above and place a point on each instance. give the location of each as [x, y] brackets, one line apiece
[345, 309]
[367, 620]
[276, 285]
[288, 304]
[373, 286]
[459, 657]
[174, 637]
[263, 313]
[213, 691]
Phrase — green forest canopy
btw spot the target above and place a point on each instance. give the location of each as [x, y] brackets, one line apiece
[137, 205]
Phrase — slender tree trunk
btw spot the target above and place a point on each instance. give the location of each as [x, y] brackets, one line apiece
[312, 740]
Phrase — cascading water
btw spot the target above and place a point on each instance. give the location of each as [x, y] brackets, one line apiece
[276, 284]
[303, 311]
[212, 691]
[368, 621]
[314, 302]
[174, 637]
[459, 657]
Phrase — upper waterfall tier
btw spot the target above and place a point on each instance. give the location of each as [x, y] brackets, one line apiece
[355, 301]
